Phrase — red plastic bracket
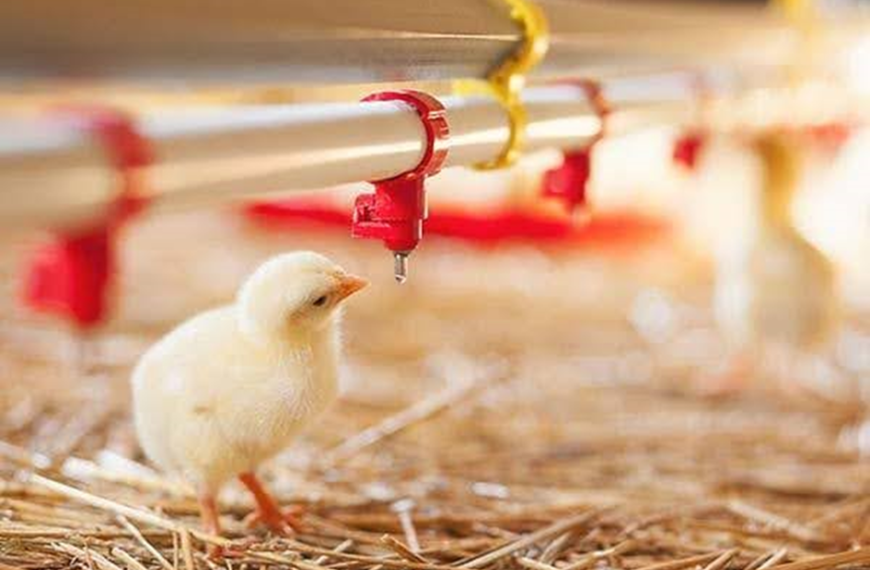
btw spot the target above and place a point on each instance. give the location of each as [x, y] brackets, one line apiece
[687, 149]
[395, 212]
[689, 145]
[70, 275]
[568, 181]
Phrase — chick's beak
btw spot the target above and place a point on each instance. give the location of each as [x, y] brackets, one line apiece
[350, 284]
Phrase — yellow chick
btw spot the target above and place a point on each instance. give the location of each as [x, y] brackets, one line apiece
[232, 387]
[780, 287]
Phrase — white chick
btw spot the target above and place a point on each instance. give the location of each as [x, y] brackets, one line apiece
[779, 288]
[232, 387]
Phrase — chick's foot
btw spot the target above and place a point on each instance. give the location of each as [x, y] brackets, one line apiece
[237, 549]
[286, 522]
[268, 512]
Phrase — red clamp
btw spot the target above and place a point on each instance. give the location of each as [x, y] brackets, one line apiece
[568, 181]
[71, 274]
[689, 145]
[687, 149]
[394, 213]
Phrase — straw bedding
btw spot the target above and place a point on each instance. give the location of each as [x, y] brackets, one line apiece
[508, 408]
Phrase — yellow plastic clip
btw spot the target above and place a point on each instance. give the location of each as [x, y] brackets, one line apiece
[507, 80]
[800, 12]
[804, 18]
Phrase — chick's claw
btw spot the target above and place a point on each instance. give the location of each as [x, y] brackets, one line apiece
[238, 549]
[286, 523]
[217, 553]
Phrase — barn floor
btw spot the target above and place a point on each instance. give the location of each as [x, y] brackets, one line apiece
[507, 408]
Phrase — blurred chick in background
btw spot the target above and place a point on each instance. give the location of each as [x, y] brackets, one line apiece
[233, 386]
[779, 289]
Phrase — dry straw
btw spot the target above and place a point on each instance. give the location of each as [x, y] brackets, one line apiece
[553, 437]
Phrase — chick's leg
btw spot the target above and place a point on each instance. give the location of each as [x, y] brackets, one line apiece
[735, 376]
[210, 521]
[268, 512]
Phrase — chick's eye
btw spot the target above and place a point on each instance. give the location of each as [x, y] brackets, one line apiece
[320, 301]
